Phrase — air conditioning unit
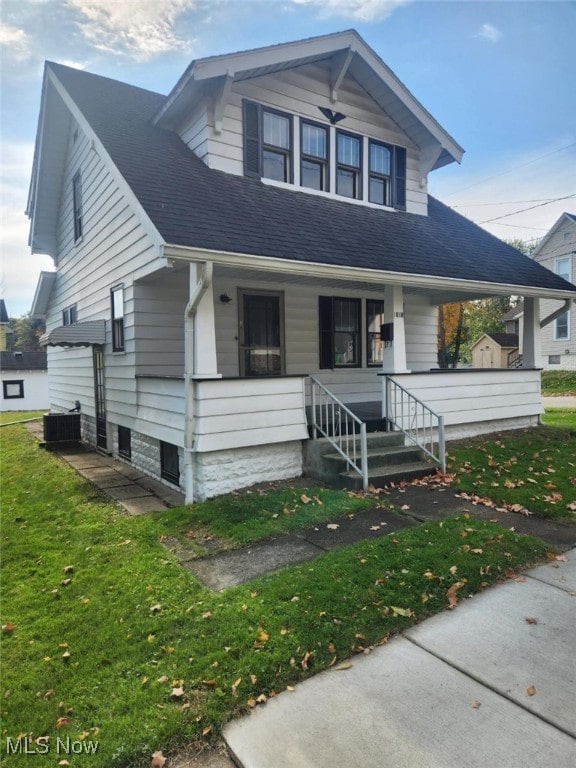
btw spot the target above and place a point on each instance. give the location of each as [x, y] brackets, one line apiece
[62, 427]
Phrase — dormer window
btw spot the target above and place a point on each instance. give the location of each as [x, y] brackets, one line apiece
[267, 143]
[314, 152]
[276, 145]
[271, 153]
[348, 165]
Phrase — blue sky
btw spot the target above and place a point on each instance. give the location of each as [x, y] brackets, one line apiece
[499, 76]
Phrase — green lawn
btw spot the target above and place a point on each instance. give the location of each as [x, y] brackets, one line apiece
[108, 641]
[558, 383]
[534, 469]
[9, 416]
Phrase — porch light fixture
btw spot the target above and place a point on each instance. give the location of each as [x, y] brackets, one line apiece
[225, 299]
[334, 117]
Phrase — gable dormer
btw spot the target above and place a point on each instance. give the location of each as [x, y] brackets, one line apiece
[324, 115]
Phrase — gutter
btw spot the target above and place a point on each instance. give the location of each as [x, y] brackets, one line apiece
[197, 290]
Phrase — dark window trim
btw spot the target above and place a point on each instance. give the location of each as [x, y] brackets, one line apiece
[311, 158]
[77, 206]
[254, 145]
[19, 383]
[327, 332]
[124, 442]
[397, 178]
[117, 322]
[70, 315]
[357, 169]
[166, 471]
[377, 364]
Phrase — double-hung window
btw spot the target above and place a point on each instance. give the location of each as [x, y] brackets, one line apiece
[77, 206]
[267, 142]
[117, 302]
[340, 332]
[348, 165]
[387, 175]
[562, 323]
[314, 156]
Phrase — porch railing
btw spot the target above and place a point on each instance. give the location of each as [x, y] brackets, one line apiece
[420, 424]
[342, 428]
[514, 359]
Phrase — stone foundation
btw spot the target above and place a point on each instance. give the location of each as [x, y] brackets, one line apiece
[220, 472]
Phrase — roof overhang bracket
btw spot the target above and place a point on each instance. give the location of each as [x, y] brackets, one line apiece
[428, 158]
[220, 99]
[340, 63]
[558, 313]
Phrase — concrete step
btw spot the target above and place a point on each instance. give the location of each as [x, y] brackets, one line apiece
[384, 475]
[374, 440]
[377, 457]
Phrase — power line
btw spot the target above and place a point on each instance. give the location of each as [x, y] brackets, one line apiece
[508, 202]
[523, 210]
[523, 226]
[510, 170]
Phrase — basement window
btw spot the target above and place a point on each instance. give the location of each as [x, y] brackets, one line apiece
[169, 463]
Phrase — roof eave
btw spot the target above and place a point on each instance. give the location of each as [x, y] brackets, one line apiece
[320, 270]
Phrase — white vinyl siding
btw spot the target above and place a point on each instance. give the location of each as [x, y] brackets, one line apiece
[115, 248]
[300, 92]
[561, 244]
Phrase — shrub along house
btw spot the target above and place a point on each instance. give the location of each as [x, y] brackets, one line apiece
[264, 226]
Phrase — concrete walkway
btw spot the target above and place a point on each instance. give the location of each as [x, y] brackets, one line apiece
[491, 684]
[559, 402]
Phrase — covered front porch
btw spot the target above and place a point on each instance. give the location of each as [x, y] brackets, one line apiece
[244, 365]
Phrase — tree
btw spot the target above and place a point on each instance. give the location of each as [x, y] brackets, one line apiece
[26, 333]
[451, 334]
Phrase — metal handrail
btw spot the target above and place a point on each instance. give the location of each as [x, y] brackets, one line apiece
[420, 424]
[347, 435]
[514, 359]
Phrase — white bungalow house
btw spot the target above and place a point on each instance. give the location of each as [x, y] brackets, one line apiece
[557, 252]
[263, 227]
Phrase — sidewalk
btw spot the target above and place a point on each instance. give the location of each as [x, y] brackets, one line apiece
[492, 683]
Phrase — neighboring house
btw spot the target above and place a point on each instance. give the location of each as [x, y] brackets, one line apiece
[24, 379]
[265, 222]
[557, 252]
[5, 330]
[513, 322]
[495, 350]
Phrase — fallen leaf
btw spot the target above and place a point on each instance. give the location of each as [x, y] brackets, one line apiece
[9, 627]
[158, 760]
[178, 693]
[304, 662]
[62, 721]
[562, 558]
[235, 686]
[531, 620]
[332, 526]
[305, 499]
[343, 665]
[401, 611]
[476, 704]
[65, 582]
[451, 593]
[531, 691]
[155, 608]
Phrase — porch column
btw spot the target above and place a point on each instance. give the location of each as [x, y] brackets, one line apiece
[204, 335]
[532, 346]
[394, 357]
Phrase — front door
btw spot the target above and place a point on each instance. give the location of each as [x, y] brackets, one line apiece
[100, 398]
[261, 333]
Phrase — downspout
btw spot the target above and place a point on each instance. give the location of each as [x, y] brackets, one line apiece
[197, 290]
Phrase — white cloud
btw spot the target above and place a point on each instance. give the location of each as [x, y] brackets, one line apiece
[489, 32]
[141, 29]
[361, 10]
[15, 42]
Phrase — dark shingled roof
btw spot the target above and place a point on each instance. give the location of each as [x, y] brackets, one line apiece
[192, 205]
[505, 339]
[23, 361]
[3, 312]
